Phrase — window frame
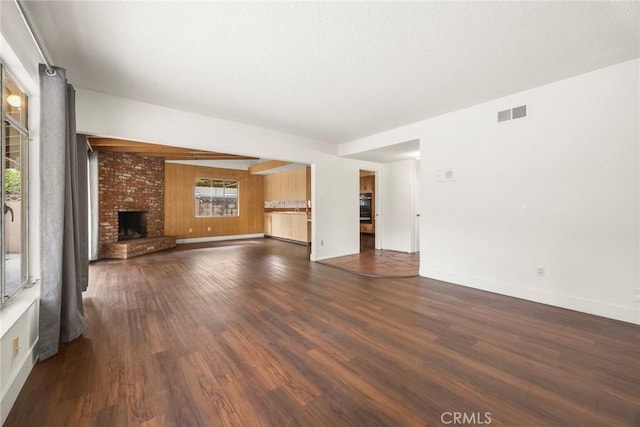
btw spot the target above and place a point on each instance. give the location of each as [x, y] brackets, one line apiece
[227, 183]
[23, 130]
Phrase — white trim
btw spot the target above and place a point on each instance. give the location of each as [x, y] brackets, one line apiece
[17, 382]
[10, 60]
[16, 307]
[219, 238]
[22, 312]
[597, 308]
[333, 255]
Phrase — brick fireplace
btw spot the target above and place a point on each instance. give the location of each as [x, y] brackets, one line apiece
[130, 184]
[132, 225]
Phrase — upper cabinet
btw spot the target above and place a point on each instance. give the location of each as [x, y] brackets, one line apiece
[294, 184]
[367, 184]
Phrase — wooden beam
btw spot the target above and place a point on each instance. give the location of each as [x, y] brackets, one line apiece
[205, 156]
[271, 164]
[165, 151]
[156, 150]
[112, 142]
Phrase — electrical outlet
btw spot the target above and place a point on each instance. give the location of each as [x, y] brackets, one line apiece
[321, 242]
[191, 230]
[16, 346]
[208, 228]
[540, 271]
[444, 175]
[636, 294]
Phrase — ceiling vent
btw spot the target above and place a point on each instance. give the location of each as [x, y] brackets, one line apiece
[512, 113]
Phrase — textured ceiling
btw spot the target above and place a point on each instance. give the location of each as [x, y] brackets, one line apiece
[327, 70]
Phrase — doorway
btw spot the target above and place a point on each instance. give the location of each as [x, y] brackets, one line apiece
[367, 210]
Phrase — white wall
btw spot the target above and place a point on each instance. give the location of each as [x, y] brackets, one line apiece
[335, 180]
[559, 189]
[398, 204]
[335, 208]
[112, 116]
[19, 320]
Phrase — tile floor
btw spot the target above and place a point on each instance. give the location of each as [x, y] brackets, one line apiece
[377, 263]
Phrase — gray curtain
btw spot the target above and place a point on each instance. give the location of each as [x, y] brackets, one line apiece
[63, 206]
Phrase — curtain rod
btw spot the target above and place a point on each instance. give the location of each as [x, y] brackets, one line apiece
[49, 68]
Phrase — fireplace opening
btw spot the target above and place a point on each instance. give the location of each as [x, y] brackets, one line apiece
[132, 225]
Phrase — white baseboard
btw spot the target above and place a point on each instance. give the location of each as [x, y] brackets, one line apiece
[219, 238]
[598, 308]
[16, 383]
[332, 255]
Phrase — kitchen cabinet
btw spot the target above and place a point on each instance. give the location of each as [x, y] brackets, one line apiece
[267, 224]
[367, 184]
[366, 228]
[288, 185]
[287, 225]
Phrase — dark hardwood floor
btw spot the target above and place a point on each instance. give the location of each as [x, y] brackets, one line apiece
[251, 333]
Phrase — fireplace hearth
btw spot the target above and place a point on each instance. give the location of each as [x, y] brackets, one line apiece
[132, 225]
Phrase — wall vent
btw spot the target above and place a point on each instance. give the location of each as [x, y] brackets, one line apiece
[519, 112]
[512, 113]
[504, 115]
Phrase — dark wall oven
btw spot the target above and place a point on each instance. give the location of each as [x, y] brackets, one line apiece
[365, 208]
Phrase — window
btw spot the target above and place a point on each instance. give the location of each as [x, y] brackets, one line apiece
[15, 140]
[216, 197]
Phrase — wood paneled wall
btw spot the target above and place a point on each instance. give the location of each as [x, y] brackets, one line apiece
[179, 203]
[294, 184]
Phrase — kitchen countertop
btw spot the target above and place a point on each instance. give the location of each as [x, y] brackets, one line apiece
[287, 213]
